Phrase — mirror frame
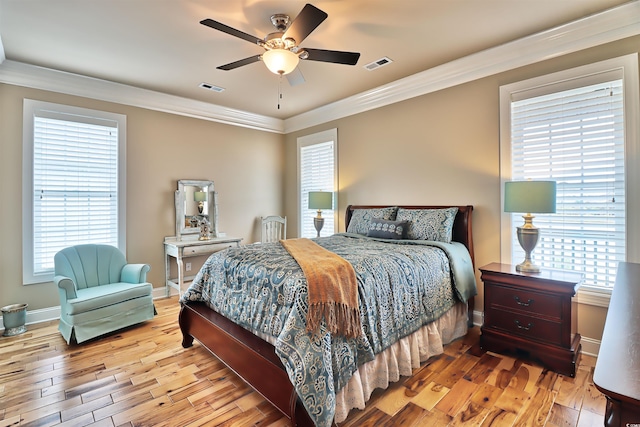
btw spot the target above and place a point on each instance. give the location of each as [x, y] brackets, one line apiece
[212, 207]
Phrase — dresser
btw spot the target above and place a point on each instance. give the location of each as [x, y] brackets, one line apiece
[190, 246]
[532, 315]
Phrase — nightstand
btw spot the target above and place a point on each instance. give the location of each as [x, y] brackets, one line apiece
[532, 315]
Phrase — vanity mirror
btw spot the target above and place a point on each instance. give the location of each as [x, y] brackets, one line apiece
[195, 200]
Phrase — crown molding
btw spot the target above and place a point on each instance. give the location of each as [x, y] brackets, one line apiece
[611, 25]
[21, 74]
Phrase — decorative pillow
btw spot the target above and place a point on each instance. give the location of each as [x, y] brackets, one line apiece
[428, 224]
[361, 218]
[386, 229]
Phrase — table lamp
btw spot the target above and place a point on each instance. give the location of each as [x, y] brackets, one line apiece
[529, 197]
[200, 197]
[320, 200]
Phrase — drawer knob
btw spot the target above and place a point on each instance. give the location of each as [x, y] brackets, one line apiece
[524, 304]
[526, 328]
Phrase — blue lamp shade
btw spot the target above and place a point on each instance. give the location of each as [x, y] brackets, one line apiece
[320, 200]
[530, 196]
[200, 196]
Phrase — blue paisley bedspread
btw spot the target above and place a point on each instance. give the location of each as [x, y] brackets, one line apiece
[402, 285]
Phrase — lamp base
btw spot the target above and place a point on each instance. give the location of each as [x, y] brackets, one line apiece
[528, 236]
[318, 223]
[527, 267]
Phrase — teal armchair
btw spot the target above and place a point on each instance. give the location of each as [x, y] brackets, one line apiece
[100, 292]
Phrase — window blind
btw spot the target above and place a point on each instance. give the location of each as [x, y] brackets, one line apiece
[575, 137]
[317, 172]
[75, 185]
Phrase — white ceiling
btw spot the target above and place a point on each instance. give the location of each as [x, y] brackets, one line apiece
[160, 44]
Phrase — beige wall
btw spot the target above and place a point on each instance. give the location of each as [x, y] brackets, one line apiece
[440, 148]
[246, 167]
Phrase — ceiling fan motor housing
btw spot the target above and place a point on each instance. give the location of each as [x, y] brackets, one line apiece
[280, 21]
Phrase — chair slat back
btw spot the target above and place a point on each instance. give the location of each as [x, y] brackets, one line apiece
[274, 228]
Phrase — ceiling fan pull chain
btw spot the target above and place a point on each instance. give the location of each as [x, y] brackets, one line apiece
[279, 90]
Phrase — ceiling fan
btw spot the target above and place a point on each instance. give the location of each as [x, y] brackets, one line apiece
[282, 47]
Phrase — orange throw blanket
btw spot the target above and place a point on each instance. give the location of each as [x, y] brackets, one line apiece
[333, 288]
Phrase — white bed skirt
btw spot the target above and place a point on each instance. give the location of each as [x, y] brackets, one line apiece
[400, 359]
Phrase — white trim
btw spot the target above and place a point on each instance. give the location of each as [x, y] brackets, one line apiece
[477, 318]
[614, 24]
[39, 316]
[627, 64]
[20, 74]
[590, 346]
[611, 25]
[32, 109]
[596, 297]
[53, 313]
[318, 138]
[159, 293]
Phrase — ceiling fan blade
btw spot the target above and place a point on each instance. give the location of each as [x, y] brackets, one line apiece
[295, 77]
[240, 63]
[306, 21]
[334, 56]
[232, 31]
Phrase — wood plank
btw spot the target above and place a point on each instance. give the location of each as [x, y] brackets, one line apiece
[430, 396]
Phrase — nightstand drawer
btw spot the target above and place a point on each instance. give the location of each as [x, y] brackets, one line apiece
[534, 303]
[525, 326]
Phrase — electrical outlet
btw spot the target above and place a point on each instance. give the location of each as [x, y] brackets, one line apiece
[188, 266]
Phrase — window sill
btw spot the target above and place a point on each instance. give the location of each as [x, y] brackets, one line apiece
[590, 295]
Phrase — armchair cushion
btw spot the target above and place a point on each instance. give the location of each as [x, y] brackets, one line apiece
[103, 296]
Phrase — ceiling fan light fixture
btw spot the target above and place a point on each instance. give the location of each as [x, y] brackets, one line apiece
[280, 61]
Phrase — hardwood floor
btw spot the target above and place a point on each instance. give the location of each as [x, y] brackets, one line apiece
[142, 376]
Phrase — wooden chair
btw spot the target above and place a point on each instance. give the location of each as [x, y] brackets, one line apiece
[274, 229]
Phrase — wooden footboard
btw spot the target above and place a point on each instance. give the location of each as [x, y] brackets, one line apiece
[250, 357]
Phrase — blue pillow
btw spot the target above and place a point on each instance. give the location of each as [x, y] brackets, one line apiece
[361, 218]
[385, 229]
[429, 224]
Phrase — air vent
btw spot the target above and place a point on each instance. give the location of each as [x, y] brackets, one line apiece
[377, 64]
[211, 87]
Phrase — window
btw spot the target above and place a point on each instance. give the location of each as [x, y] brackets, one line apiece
[73, 184]
[575, 128]
[317, 171]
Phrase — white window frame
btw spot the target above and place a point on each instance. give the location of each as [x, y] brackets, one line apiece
[312, 139]
[628, 65]
[32, 109]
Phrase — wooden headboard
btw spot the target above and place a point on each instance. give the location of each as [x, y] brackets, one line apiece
[461, 225]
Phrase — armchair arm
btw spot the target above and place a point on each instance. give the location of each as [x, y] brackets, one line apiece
[66, 287]
[134, 273]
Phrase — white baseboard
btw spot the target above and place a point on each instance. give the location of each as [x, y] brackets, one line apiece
[590, 346]
[53, 313]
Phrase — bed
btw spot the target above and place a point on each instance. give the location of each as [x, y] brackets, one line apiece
[347, 369]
